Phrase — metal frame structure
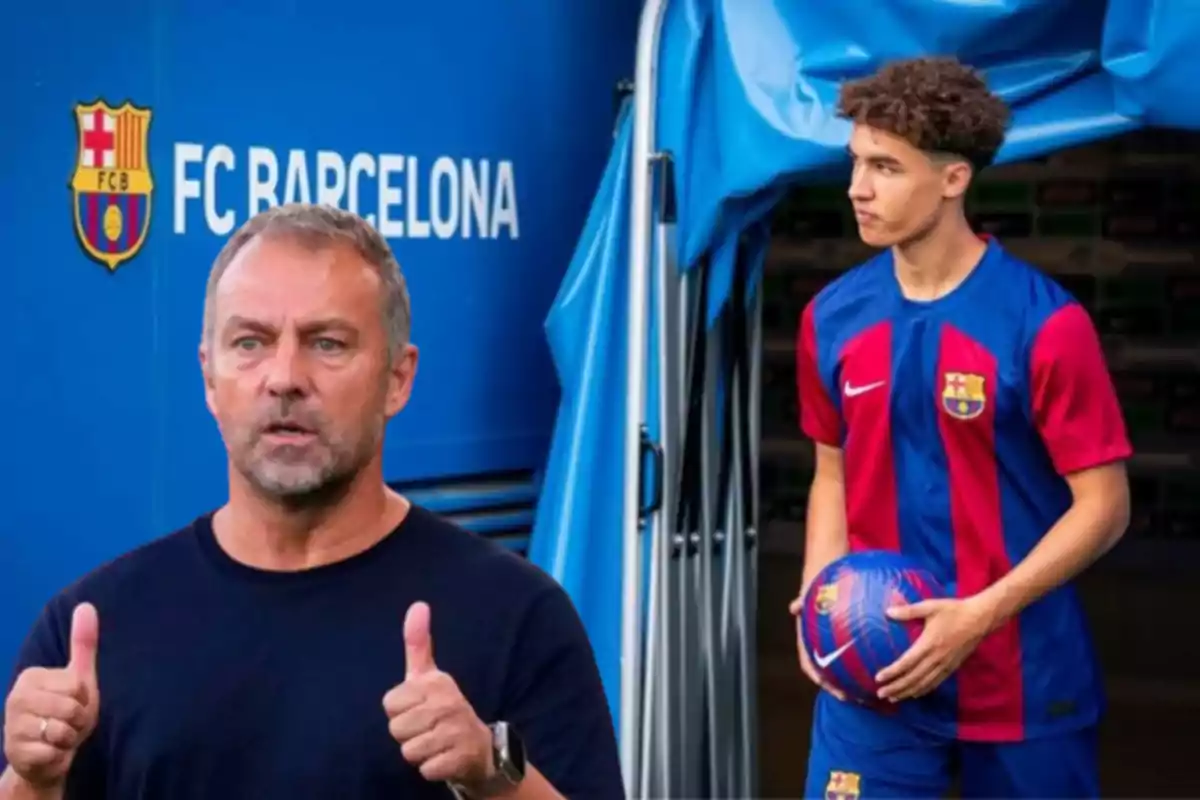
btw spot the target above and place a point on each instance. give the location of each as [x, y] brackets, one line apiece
[687, 707]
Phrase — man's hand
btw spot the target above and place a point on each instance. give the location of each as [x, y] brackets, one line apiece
[51, 712]
[953, 629]
[436, 727]
[806, 665]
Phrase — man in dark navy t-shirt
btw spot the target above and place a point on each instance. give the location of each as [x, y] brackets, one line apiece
[318, 636]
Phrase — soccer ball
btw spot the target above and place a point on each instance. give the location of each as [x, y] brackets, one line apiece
[848, 635]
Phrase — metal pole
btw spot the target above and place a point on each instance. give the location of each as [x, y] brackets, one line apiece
[750, 548]
[645, 92]
[658, 745]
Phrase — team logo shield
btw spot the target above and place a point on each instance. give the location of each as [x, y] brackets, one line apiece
[827, 596]
[112, 182]
[963, 395]
[843, 786]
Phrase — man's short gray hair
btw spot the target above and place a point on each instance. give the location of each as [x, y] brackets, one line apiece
[319, 226]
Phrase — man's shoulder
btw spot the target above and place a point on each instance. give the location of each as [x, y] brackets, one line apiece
[155, 558]
[482, 572]
[117, 584]
[486, 561]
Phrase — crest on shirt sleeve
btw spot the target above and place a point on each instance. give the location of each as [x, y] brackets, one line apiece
[963, 395]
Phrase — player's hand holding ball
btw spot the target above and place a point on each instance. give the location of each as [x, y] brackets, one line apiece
[438, 730]
[806, 665]
[51, 712]
[953, 628]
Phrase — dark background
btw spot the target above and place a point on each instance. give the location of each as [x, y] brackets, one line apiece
[1116, 223]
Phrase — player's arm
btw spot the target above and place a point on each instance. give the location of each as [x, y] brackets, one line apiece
[1078, 416]
[820, 420]
[825, 538]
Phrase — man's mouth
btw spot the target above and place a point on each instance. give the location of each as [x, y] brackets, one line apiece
[288, 432]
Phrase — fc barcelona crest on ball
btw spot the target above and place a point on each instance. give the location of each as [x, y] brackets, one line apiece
[112, 184]
[843, 786]
[963, 395]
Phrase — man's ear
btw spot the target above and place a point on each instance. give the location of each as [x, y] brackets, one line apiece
[400, 379]
[206, 374]
[956, 177]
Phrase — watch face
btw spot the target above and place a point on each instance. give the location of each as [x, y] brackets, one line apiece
[510, 752]
[516, 752]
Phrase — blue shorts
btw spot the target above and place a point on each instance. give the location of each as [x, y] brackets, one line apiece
[859, 754]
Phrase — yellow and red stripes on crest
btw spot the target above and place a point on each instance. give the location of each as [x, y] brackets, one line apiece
[131, 132]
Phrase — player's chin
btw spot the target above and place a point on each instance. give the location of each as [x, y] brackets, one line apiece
[873, 235]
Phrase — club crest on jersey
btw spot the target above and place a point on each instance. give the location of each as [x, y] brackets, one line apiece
[827, 596]
[843, 786]
[963, 395]
[112, 183]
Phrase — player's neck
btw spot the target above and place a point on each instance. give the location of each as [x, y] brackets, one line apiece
[263, 533]
[933, 265]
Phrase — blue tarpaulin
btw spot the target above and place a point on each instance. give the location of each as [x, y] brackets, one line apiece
[745, 106]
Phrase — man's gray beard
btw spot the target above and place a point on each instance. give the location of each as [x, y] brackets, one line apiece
[320, 475]
[290, 480]
[277, 474]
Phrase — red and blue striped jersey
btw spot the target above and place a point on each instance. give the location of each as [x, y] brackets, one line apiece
[957, 419]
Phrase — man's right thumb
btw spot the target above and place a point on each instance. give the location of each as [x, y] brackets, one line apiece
[85, 639]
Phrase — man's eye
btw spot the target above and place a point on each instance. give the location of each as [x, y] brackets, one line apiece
[245, 343]
[328, 345]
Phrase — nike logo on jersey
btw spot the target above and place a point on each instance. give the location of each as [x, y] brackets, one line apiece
[855, 391]
[823, 661]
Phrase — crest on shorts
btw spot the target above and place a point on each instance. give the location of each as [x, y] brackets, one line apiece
[963, 395]
[827, 595]
[112, 183]
[843, 786]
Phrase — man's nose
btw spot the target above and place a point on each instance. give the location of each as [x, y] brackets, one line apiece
[285, 371]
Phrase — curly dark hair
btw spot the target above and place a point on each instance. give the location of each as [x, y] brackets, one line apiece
[937, 104]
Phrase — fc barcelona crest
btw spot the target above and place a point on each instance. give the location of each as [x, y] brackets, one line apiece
[827, 596]
[963, 395]
[112, 182]
[843, 786]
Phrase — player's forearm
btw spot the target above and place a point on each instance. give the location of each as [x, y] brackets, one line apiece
[825, 537]
[14, 787]
[1087, 531]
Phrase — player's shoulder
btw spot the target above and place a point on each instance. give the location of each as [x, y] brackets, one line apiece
[853, 297]
[858, 284]
[1031, 284]
[1031, 293]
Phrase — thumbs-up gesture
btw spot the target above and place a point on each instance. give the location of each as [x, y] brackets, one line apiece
[51, 712]
[428, 715]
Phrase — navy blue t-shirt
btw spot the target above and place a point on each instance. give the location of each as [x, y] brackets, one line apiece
[218, 680]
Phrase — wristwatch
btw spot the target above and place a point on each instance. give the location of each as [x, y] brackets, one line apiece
[508, 754]
[508, 758]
